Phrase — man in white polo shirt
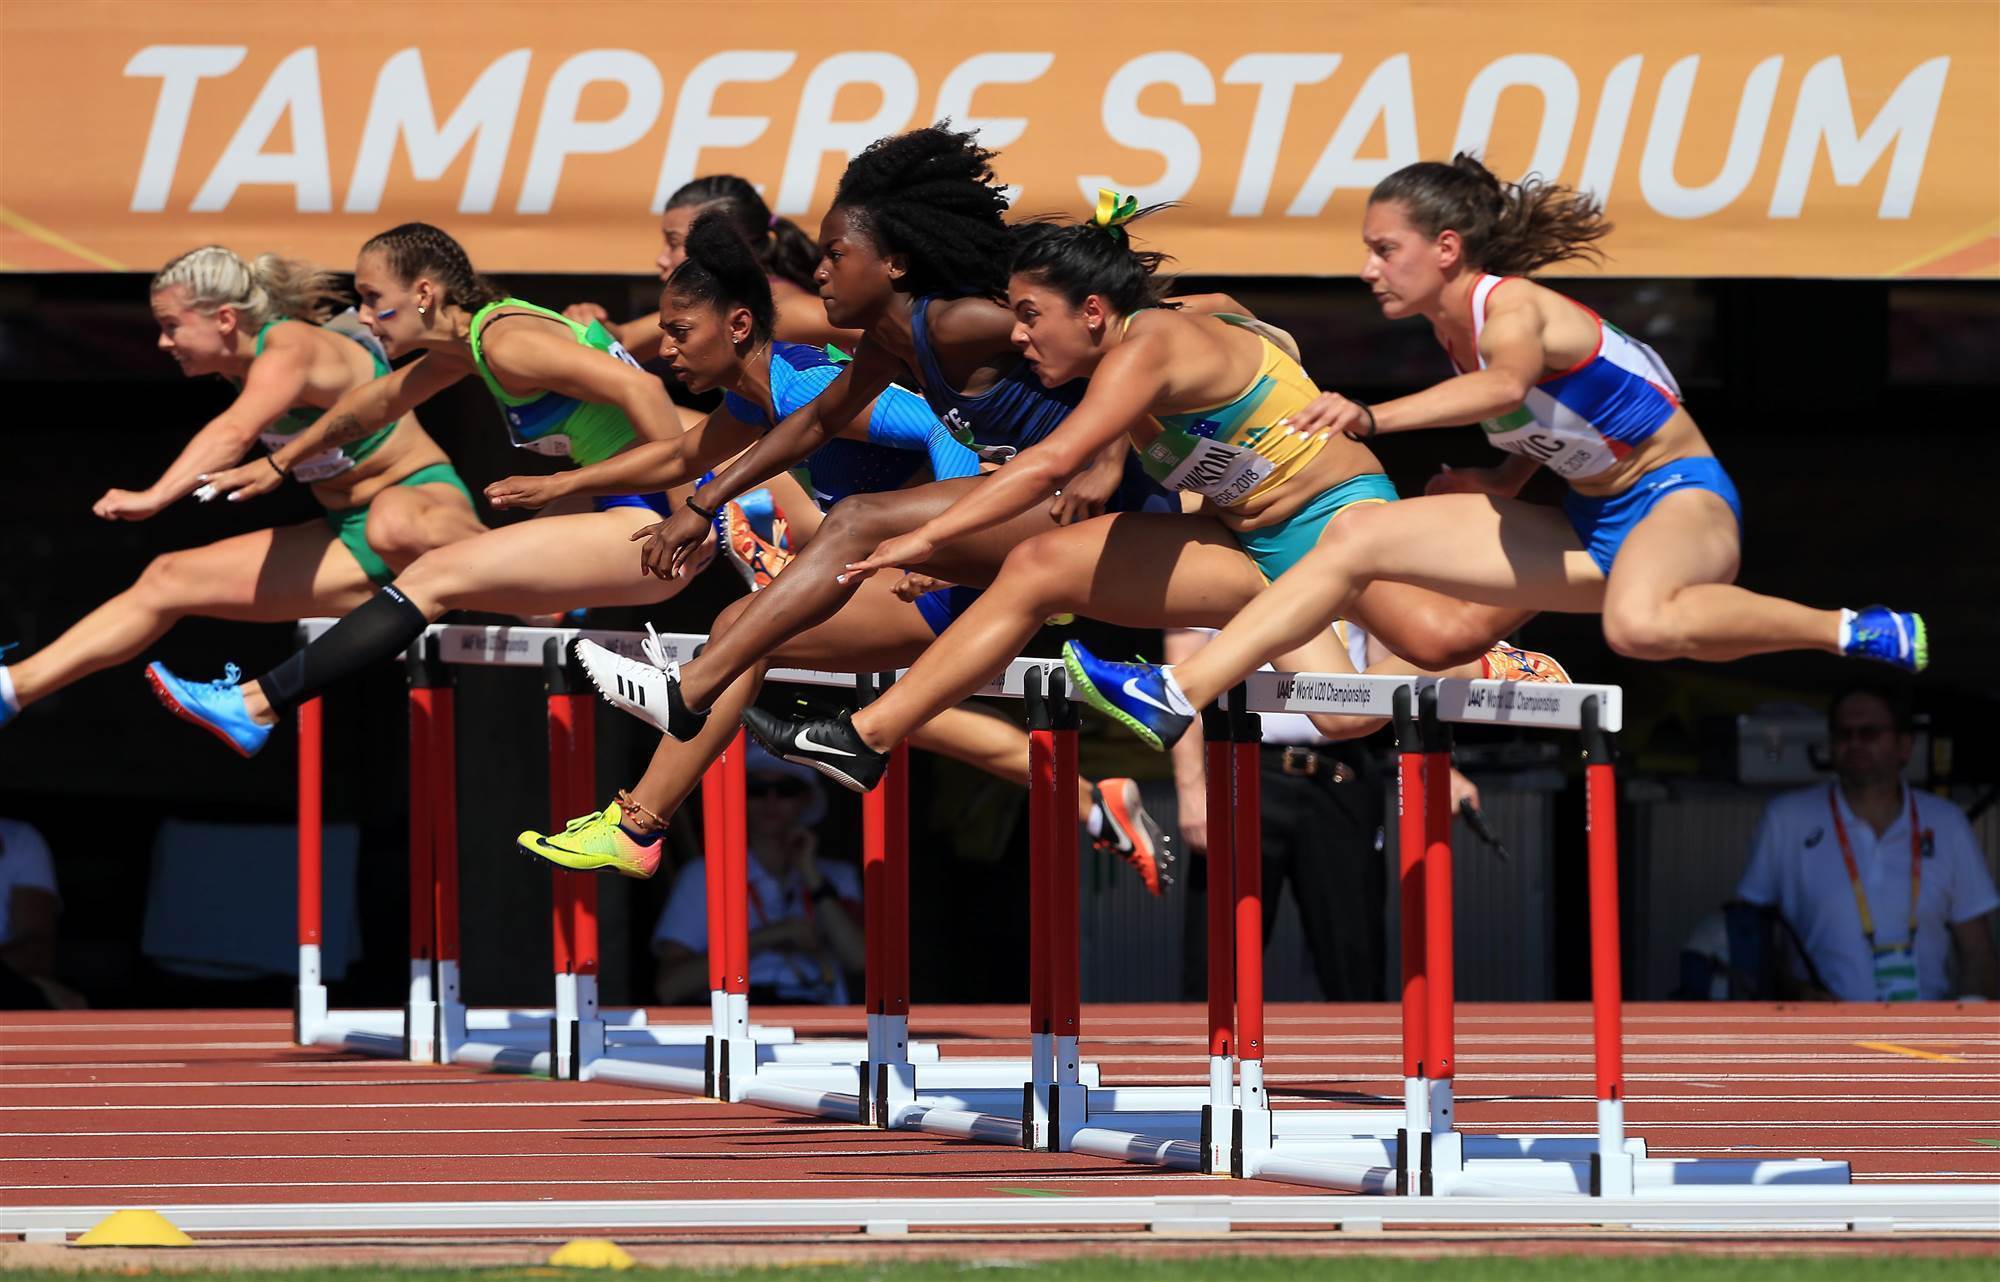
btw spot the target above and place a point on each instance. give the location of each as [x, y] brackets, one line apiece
[1879, 880]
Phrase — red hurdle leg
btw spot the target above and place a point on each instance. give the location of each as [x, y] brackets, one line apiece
[420, 1006]
[1042, 911]
[1221, 942]
[1245, 821]
[1068, 1103]
[1606, 977]
[1439, 1063]
[888, 1082]
[1411, 817]
[309, 1004]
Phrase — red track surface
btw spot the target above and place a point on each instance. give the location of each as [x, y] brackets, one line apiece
[148, 1108]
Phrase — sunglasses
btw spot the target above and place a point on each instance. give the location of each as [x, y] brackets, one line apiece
[783, 785]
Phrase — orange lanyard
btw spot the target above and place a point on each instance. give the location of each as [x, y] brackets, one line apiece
[1854, 873]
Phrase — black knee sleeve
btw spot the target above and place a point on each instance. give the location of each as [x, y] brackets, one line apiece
[379, 628]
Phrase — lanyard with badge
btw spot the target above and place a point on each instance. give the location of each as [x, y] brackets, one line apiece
[1895, 964]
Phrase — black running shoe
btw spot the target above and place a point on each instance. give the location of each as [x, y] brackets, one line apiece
[830, 747]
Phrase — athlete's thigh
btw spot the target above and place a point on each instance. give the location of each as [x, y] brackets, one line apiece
[546, 564]
[1143, 570]
[437, 499]
[274, 575]
[875, 630]
[1467, 546]
[1689, 537]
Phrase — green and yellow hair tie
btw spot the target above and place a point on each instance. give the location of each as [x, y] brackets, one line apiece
[1114, 211]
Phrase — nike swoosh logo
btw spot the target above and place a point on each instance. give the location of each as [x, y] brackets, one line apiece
[1132, 691]
[805, 740]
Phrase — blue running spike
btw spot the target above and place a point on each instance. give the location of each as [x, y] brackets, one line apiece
[1133, 694]
[216, 706]
[1894, 637]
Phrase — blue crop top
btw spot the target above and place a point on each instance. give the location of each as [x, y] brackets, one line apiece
[1004, 419]
[900, 427]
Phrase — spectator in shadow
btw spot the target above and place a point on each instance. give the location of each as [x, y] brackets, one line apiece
[1880, 882]
[29, 907]
[805, 912]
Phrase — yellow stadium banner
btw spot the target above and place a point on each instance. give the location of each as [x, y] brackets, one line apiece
[1725, 139]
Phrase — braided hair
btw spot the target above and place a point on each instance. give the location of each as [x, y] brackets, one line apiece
[267, 289]
[419, 249]
[1509, 229]
[722, 269]
[781, 247]
[931, 196]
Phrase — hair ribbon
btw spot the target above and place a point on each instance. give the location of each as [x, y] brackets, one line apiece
[1114, 211]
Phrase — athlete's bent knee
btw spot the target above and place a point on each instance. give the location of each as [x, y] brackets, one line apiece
[166, 579]
[1045, 570]
[1649, 633]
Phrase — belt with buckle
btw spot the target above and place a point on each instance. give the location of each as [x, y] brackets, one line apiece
[1293, 759]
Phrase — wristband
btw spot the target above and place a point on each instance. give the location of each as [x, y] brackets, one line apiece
[706, 514]
[1363, 407]
[272, 459]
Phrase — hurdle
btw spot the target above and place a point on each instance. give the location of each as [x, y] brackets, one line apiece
[886, 1079]
[1053, 1101]
[1416, 1148]
[434, 1025]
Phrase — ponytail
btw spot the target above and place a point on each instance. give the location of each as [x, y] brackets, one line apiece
[1509, 229]
[271, 288]
[782, 249]
[419, 249]
[1094, 257]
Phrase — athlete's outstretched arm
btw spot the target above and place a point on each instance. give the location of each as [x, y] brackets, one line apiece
[846, 399]
[644, 468]
[1515, 360]
[368, 408]
[1125, 386]
[273, 385]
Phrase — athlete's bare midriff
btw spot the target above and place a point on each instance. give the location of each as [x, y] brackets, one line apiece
[340, 365]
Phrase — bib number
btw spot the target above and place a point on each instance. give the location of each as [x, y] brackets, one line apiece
[1895, 973]
[1567, 456]
[617, 349]
[1223, 474]
[323, 466]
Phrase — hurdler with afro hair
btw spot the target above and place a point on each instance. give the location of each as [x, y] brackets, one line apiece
[931, 196]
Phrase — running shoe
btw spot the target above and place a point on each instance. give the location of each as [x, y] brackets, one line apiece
[757, 558]
[596, 842]
[1133, 694]
[830, 747]
[649, 692]
[1895, 637]
[1508, 663]
[1131, 833]
[216, 706]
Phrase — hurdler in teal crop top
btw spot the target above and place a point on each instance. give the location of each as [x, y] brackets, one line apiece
[328, 463]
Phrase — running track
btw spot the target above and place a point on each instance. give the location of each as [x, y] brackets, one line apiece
[147, 1108]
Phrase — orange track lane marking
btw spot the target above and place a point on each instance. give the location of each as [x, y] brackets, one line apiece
[1893, 1049]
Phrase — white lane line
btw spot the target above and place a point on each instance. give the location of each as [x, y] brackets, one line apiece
[440, 1080]
[560, 1155]
[657, 1101]
[720, 1127]
[1085, 1177]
